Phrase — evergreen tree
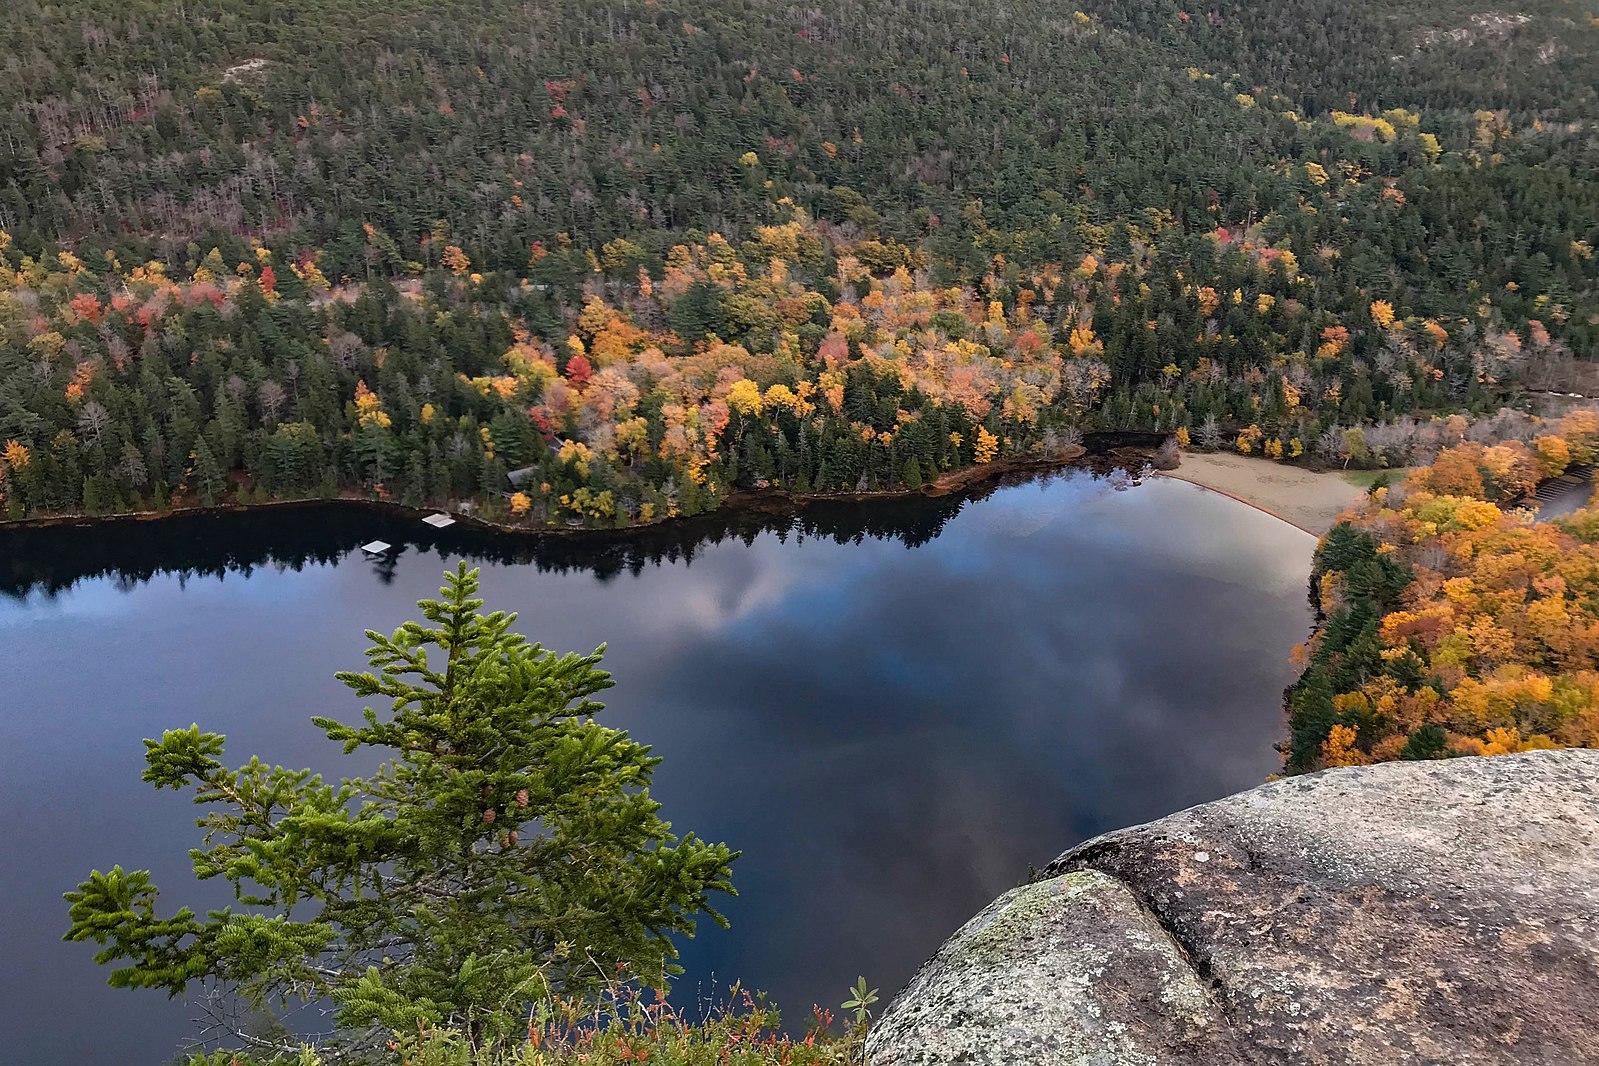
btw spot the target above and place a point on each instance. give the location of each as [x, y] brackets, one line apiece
[208, 475]
[507, 849]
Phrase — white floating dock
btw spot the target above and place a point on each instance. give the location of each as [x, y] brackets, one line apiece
[376, 547]
[439, 521]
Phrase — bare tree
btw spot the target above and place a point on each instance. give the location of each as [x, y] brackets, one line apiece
[1504, 424]
[93, 421]
[1391, 442]
[1167, 456]
[344, 348]
[1330, 445]
[270, 395]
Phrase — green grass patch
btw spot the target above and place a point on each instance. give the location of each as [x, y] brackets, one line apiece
[1365, 479]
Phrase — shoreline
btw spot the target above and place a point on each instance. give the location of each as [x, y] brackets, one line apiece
[1309, 500]
[1114, 448]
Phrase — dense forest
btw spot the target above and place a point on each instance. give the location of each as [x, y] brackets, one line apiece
[644, 254]
[601, 263]
[1454, 625]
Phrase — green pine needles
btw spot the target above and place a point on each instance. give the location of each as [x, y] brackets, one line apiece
[506, 851]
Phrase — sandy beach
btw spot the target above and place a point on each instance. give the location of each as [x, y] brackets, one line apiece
[1311, 500]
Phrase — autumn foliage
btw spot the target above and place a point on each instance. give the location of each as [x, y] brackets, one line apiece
[1455, 622]
[803, 357]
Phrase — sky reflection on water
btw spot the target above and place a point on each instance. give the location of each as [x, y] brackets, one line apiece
[893, 733]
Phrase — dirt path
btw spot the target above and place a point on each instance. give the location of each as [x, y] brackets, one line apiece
[1308, 499]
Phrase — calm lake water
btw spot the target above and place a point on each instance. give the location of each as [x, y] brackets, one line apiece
[895, 709]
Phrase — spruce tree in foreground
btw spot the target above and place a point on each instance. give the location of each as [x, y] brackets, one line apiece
[506, 850]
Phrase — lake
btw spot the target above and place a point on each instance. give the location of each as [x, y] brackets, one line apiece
[896, 709]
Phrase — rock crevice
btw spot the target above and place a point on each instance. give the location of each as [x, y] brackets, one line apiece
[1441, 912]
[1097, 856]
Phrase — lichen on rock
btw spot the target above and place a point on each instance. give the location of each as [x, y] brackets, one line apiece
[1442, 912]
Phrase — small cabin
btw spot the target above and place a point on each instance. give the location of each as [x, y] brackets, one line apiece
[519, 477]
